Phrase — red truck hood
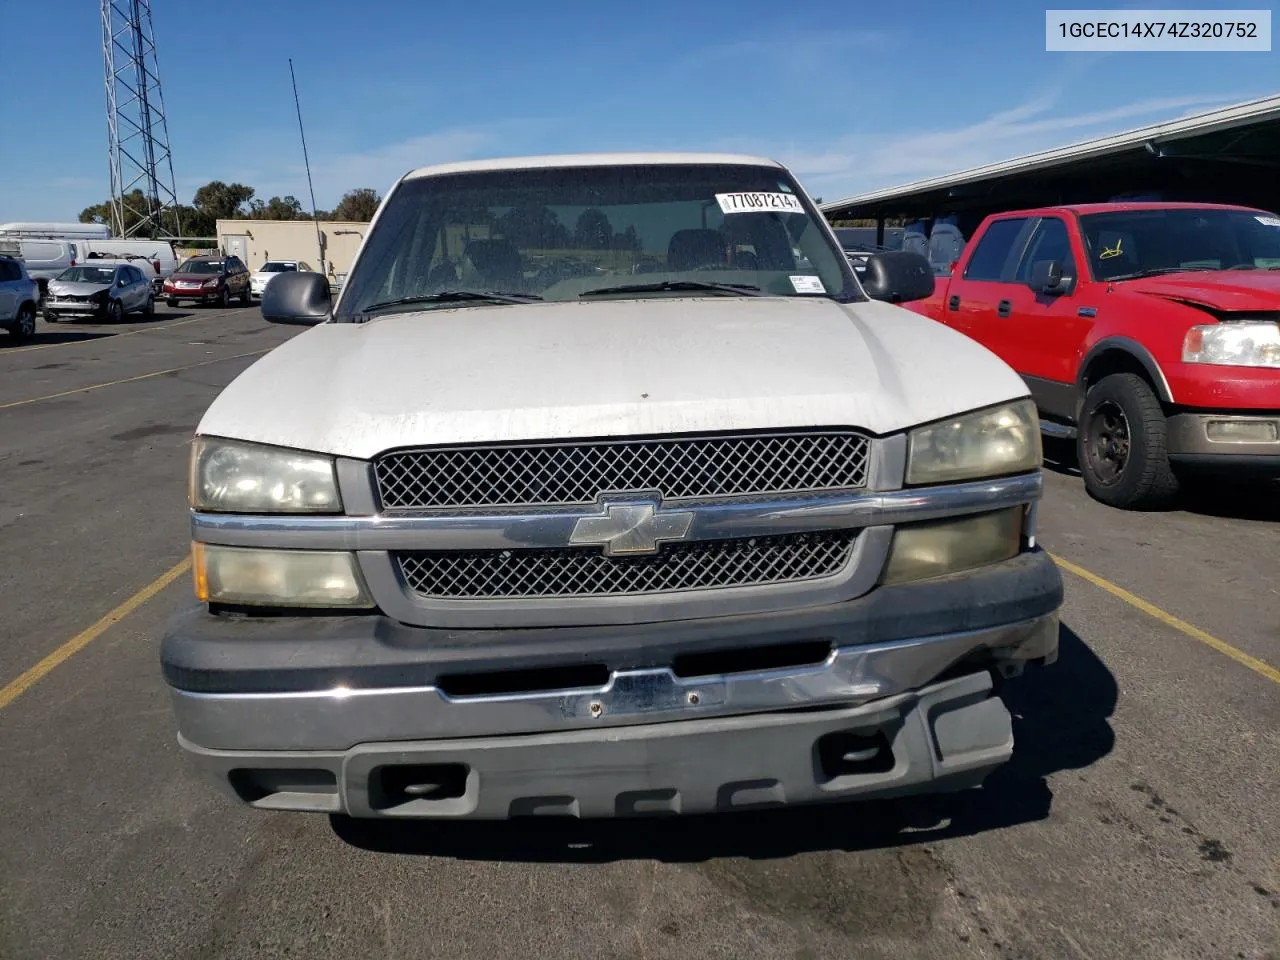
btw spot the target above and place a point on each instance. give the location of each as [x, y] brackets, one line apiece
[1229, 291]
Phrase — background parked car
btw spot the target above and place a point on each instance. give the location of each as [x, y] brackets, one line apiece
[258, 282]
[100, 290]
[18, 298]
[209, 280]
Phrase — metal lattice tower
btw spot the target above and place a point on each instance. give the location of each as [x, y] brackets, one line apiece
[137, 132]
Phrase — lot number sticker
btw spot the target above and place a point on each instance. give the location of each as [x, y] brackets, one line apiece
[1265, 221]
[808, 285]
[759, 202]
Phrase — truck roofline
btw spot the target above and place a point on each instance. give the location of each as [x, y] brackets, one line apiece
[1083, 209]
[588, 160]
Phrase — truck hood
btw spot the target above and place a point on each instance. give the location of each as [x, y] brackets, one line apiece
[1227, 291]
[599, 369]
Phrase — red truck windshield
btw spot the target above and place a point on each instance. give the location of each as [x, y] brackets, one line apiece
[1135, 243]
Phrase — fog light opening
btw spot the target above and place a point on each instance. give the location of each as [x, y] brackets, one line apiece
[1243, 431]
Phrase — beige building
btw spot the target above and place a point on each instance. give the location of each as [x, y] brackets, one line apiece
[256, 241]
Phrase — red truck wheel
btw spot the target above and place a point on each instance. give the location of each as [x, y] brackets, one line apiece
[1122, 445]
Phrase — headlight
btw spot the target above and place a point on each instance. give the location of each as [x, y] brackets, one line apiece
[988, 443]
[939, 547]
[210, 283]
[1233, 344]
[277, 578]
[228, 476]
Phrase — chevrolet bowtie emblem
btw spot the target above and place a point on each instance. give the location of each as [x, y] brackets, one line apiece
[628, 529]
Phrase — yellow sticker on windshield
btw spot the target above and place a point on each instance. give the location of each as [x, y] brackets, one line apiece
[1109, 252]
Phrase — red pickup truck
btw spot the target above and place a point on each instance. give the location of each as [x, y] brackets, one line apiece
[1149, 332]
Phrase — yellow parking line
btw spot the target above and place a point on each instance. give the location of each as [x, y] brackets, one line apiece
[18, 687]
[109, 336]
[1195, 633]
[141, 376]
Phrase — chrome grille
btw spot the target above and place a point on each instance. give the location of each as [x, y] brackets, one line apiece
[579, 572]
[572, 473]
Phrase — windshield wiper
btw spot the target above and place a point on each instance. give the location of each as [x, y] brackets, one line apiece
[741, 289]
[454, 296]
[1157, 271]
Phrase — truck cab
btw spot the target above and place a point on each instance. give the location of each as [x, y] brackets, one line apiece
[1148, 332]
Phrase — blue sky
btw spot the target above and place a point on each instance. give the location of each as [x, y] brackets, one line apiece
[852, 96]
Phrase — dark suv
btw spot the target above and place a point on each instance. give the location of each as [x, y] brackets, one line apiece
[209, 280]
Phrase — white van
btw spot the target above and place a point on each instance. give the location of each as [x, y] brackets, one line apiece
[45, 259]
[159, 253]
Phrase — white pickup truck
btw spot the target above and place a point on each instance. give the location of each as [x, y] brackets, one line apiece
[592, 496]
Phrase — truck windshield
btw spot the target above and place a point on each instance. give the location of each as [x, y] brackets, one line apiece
[618, 230]
[1136, 243]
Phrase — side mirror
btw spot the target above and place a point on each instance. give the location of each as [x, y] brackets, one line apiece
[1047, 277]
[297, 298]
[897, 277]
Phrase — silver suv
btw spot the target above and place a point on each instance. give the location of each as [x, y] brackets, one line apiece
[18, 298]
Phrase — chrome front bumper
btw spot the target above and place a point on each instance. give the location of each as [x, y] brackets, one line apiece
[341, 717]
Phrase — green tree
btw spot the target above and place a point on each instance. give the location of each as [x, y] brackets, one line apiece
[359, 205]
[277, 208]
[534, 226]
[628, 239]
[223, 201]
[593, 230]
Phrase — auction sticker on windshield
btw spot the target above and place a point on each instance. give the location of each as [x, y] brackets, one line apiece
[1265, 221]
[808, 285]
[759, 202]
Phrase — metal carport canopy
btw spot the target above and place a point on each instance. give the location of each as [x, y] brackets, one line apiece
[1230, 155]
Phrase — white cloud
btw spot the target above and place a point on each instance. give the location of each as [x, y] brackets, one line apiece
[378, 168]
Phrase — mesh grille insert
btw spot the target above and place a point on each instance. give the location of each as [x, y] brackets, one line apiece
[573, 473]
[581, 572]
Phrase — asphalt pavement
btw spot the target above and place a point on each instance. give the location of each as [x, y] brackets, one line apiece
[1139, 817]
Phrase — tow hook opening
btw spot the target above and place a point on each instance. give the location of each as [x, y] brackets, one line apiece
[854, 753]
[394, 786]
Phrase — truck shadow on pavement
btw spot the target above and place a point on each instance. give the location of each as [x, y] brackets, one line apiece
[1061, 722]
[1233, 499]
[1210, 495]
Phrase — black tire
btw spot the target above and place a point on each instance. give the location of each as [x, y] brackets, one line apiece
[50, 317]
[246, 298]
[224, 299]
[149, 311]
[115, 312]
[170, 302]
[1122, 445]
[24, 324]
